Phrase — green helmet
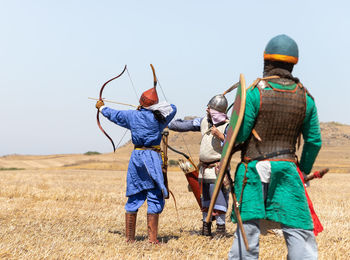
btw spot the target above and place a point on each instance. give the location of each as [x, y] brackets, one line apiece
[282, 48]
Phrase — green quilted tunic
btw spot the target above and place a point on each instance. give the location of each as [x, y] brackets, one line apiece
[286, 202]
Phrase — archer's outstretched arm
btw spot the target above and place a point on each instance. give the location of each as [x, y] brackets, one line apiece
[180, 125]
[119, 117]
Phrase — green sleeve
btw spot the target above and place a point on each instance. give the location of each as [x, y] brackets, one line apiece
[251, 112]
[312, 137]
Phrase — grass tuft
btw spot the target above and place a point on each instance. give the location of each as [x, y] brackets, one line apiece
[92, 153]
[11, 169]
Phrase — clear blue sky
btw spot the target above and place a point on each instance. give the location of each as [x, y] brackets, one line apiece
[55, 54]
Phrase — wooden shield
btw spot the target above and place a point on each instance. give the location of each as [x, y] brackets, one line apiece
[233, 128]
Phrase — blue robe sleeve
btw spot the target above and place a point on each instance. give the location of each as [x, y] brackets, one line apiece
[119, 117]
[180, 125]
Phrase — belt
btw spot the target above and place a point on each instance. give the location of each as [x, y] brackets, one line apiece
[209, 164]
[155, 148]
[270, 155]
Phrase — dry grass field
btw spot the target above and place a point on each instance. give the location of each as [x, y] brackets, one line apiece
[69, 214]
[72, 207]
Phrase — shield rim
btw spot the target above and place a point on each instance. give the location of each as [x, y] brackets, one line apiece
[226, 154]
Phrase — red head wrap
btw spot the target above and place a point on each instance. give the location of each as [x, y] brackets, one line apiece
[149, 97]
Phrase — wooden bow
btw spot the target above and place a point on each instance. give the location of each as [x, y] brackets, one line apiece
[98, 112]
[155, 80]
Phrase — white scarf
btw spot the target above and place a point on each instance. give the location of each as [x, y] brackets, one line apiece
[163, 107]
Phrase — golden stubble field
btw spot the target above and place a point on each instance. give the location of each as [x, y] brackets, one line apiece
[71, 206]
[69, 214]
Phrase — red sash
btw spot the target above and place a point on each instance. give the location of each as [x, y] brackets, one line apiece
[317, 223]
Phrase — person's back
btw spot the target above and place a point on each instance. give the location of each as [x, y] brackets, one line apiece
[267, 182]
[145, 129]
[280, 118]
[145, 180]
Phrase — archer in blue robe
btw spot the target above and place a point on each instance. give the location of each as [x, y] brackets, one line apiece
[144, 177]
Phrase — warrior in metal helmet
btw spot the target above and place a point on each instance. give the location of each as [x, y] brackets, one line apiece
[269, 180]
[213, 129]
[218, 103]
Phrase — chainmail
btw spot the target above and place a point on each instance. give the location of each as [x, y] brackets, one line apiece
[282, 69]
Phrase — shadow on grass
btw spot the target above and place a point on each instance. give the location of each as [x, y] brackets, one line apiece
[194, 232]
[162, 239]
[116, 232]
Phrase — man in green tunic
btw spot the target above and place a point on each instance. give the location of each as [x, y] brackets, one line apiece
[267, 184]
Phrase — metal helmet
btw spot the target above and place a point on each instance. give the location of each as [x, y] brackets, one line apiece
[282, 48]
[219, 103]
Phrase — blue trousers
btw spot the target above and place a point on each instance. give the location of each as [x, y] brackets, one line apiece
[155, 201]
[207, 192]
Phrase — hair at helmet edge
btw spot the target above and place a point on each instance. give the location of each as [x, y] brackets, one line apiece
[282, 48]
[218, 103]
[149, 97]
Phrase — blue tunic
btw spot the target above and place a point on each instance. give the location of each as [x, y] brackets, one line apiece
[145, 166]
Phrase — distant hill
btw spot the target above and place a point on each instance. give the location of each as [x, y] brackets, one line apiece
[334, 133]
[335, 153]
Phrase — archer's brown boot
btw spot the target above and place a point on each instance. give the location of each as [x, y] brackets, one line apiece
[152, 225]
[130, 226]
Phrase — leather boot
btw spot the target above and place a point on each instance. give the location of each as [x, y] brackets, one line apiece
[206, 230]
[220, 230]
[152, 226]
[130, 226]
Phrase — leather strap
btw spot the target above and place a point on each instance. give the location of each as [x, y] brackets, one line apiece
[270, 155]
